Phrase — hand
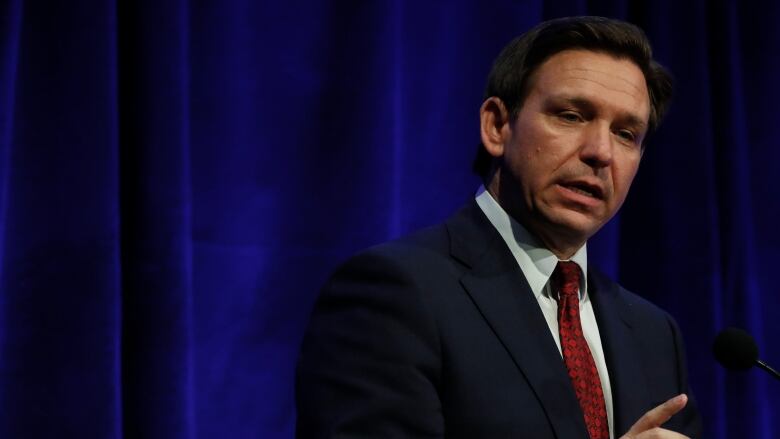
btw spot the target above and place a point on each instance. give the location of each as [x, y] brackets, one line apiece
[649, 425]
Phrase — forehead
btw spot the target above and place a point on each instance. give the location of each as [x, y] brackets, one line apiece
[596, 76]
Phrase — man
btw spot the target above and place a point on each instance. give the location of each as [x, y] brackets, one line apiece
[486, 326]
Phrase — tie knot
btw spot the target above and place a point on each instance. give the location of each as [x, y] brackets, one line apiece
[566, 279]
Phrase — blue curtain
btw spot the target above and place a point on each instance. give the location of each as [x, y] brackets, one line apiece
[178, 178]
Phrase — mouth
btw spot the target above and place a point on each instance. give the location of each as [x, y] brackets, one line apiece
[585, 189]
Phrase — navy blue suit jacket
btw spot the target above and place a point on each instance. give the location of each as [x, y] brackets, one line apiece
[438, 335]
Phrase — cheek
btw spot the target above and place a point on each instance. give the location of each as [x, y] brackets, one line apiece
[531, 170]
[624, 176]
[534, 154]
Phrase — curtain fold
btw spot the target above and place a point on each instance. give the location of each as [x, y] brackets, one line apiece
[156, 219]
[59, 291]
[740, 303]
[10, 26]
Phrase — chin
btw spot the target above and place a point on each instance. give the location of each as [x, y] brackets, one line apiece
[576, 224]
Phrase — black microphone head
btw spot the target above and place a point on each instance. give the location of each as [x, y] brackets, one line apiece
[735, 349]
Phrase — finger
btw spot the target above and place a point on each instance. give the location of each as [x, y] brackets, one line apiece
[657, 416]
[660, 433]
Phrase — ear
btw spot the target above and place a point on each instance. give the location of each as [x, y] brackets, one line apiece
[494, 124]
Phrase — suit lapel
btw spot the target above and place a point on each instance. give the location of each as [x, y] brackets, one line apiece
[624, 362]
[501, 293]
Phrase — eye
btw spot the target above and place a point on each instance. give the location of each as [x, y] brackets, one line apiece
[570, 116]
[627, 135]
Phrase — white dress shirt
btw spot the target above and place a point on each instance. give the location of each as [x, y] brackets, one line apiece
[538, 264]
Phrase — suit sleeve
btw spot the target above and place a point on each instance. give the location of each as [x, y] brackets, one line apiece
[370, 359]
[688, 420]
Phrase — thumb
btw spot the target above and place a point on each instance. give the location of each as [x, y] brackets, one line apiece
[657, 416]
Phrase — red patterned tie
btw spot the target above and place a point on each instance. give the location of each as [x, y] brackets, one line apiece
[576, 354]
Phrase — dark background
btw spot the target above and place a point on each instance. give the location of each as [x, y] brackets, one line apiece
[178, 178]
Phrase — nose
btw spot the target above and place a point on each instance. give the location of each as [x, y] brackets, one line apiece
[596, 149]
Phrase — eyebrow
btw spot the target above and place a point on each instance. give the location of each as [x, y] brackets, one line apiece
[588, 105]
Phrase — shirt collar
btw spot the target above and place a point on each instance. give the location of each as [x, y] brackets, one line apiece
[536, 261]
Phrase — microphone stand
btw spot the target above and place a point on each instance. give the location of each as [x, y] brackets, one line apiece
[768, 368]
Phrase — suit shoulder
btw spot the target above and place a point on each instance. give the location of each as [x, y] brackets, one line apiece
[418, 262]
[425, 246]
[640, 307]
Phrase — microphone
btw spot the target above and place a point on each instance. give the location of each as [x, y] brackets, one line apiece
[735, 349]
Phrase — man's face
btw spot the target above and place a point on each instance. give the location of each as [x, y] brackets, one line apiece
[572, 152]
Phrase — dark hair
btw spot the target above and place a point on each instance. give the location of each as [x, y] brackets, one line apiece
[509, 78]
